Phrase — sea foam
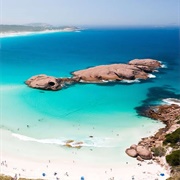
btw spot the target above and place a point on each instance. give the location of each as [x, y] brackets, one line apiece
[87, 142]
[151, 76]
[172, 101]
[130, 81]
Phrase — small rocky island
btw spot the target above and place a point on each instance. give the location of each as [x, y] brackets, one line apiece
[135, 69]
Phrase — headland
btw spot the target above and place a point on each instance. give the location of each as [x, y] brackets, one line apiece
[30, 29]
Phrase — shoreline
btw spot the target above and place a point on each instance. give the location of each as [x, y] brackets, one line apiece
[26, 33]
[29, 167]
[74, 171]
[77, 170]
[154, 145]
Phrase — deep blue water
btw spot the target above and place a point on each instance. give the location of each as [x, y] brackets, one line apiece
[61, 53]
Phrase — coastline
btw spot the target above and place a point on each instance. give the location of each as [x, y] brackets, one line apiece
[26, 33]
[74, 171]
[157, 147]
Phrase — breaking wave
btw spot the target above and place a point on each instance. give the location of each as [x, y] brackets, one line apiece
[151, 76]
[88, 142]
[171, 101]
[130, 81]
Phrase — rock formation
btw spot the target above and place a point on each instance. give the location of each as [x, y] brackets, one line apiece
[73, 144]
[113, 72]
[141, 152]
[136, 69]
[168, 114]
[147, 65]
[165, 113]
[131, 152]
[44, 82]
[144, 152]
[48, 82]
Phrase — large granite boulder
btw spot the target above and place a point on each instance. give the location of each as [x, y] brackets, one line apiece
[131, 152]
[147, 65]
[144, 152]
[139, 151]
[113, 72]
[44, 82]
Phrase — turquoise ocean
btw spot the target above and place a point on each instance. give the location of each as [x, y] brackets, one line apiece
[102, 116]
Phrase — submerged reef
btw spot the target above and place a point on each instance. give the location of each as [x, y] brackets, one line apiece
[135, 69]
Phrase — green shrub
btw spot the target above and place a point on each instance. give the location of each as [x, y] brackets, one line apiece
[172, 138]
[178, 122]
[159, 151]
[173, 159]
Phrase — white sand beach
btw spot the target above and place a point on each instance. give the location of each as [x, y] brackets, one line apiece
[72, 171]
[14, 34]
[23, 164]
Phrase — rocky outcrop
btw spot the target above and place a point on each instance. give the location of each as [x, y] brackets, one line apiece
[144, 152]
[113, 72]
[147, 65]
[168, 114]
[44, 82]
[73, 144]
[141, 152]
[165, 113]
[131, 152]
[136, 69]
[48, 82]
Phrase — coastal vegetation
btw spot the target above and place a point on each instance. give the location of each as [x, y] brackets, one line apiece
[158, 151]
[173, 159]
[173, 139]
